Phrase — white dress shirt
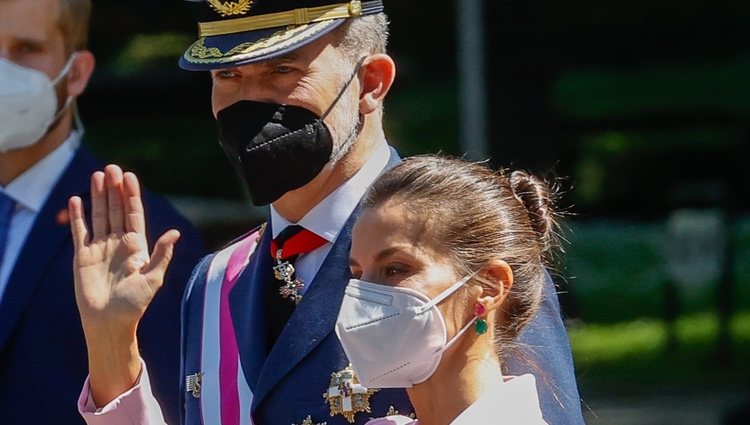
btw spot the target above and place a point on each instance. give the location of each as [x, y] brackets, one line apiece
[328, 217]
[30, 190]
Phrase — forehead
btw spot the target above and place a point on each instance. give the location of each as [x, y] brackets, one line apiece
[33, 20]
[393, 224]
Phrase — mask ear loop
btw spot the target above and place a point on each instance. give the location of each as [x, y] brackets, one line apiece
[65, 70]
[78, 121]
[445, 294]
[69, 100]
[346, 86]
[360, 121]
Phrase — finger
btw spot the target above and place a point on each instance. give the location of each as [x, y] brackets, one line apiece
[99, 217]
[135, 220]
[113, 182]
[78, 228]
[162, 255]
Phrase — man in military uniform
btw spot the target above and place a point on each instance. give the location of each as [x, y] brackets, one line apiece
[298, 90]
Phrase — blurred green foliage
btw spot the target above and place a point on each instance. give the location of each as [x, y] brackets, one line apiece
[616, 271]
[145, 51]
[718, 88]
[628, 352]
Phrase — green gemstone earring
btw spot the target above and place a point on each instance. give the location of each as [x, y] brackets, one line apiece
[480, 325]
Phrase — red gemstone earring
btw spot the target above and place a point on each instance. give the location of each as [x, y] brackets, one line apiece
[480, 325]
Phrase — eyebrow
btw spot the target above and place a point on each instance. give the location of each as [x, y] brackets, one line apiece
[31, 41]
[381, 255]
[282, 59]
[385, 253]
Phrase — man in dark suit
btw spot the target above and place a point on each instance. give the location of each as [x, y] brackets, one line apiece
[44, 67]
[298, 89]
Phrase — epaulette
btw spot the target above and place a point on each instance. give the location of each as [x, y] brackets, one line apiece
[259, 229]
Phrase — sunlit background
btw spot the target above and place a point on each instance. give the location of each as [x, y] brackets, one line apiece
[641, 107]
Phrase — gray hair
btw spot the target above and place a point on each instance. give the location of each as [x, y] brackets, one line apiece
[362, 36]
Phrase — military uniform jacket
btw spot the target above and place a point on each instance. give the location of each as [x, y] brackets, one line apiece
[305, 372]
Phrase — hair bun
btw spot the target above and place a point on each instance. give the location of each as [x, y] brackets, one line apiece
[538, 197]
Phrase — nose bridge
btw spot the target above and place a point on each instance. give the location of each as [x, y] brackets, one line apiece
[254, 88]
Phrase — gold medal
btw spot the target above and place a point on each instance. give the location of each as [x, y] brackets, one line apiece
[346, 396]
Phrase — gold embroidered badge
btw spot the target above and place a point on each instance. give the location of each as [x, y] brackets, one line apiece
[346, 396]
[308, 421]
[229, 8]
[393, 412]
[193, 384]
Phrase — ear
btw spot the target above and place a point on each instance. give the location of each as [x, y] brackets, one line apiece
[80, 72]
[499, 278]
[376, 77]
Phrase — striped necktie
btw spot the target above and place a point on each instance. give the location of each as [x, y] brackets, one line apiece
[7, 206]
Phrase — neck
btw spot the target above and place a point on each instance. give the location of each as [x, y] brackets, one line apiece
[295, 204]
[16, 162]
[465, 372]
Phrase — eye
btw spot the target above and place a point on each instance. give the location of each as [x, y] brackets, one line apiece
[224, 74]
[395, 269]
[283, 69]
[29, 48]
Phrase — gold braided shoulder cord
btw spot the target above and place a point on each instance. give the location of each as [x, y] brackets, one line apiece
[230, 8]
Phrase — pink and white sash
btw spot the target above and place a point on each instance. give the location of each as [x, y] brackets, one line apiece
[226, 396]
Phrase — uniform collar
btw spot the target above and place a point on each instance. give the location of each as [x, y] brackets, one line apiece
[328, 217]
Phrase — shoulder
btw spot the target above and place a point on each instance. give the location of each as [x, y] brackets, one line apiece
[243, 245]
[253, 235]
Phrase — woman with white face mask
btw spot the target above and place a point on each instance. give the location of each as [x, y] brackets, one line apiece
[448, 261]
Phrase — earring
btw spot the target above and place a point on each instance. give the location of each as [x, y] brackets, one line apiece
[480, 325]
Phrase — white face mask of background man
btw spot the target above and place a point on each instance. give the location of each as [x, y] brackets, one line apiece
[28, 104]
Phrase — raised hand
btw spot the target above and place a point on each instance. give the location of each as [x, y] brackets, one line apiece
[115, 277]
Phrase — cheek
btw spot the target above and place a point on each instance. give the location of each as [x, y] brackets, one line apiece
[343, 118]
[310, 96]
[61, 91]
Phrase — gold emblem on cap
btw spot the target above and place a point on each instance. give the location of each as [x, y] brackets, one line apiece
[229, 8]
[355, 8]
[305, 15]
[346, 396]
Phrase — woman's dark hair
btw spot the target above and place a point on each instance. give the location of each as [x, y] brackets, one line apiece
[477, 214]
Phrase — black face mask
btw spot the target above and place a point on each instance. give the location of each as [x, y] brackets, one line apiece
[276, 148]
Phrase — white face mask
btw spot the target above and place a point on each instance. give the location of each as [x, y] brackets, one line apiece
[394, 337]
[27, 104]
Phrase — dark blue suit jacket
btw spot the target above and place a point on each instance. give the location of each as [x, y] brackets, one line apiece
[43, 360]
[288, 380]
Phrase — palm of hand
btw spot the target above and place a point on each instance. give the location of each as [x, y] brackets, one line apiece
[115, 266]
[115, 277]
